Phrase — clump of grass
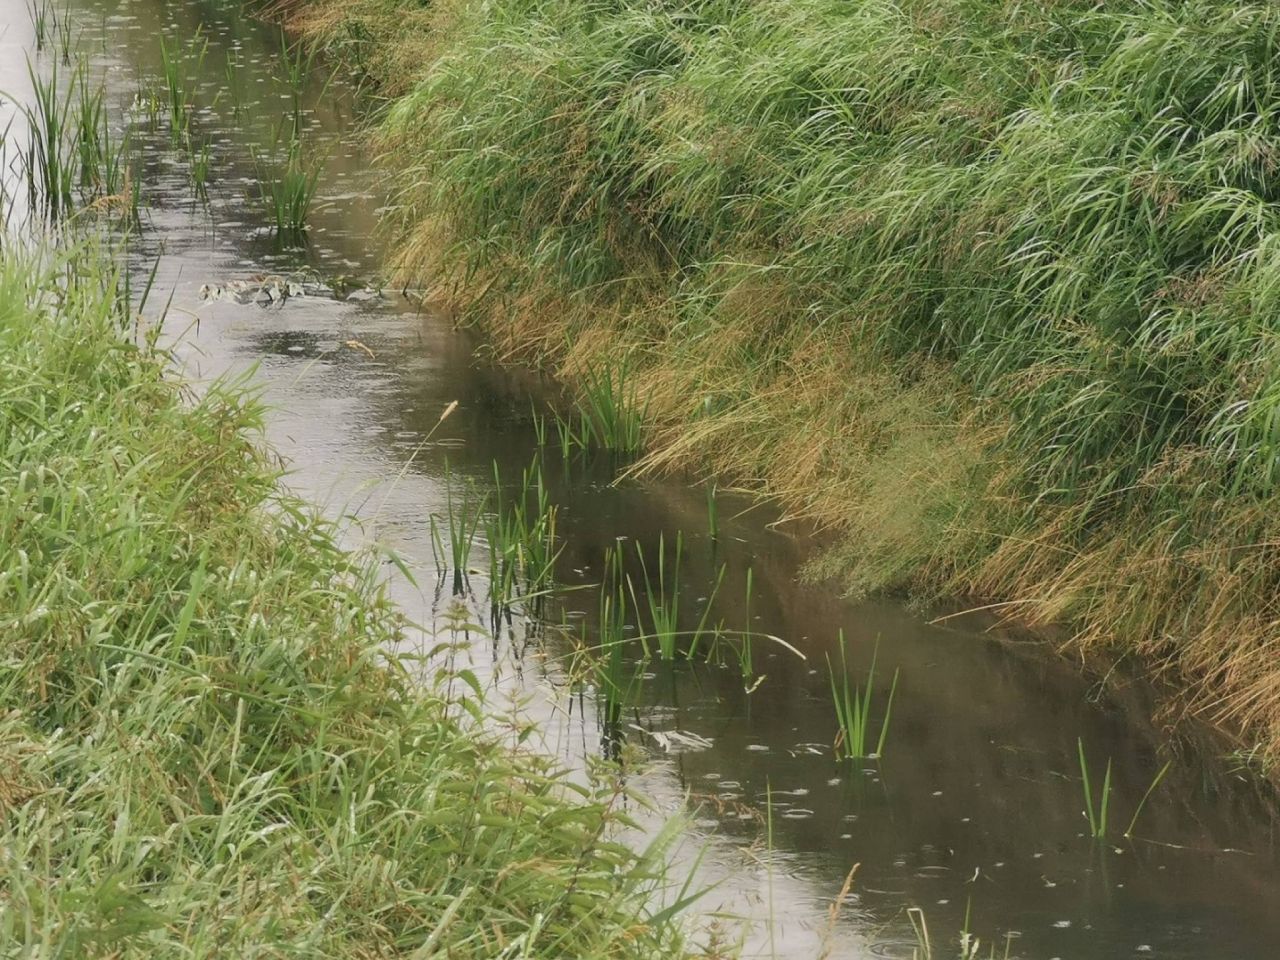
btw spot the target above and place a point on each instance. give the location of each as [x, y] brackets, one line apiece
[198, 166]
[43, 21]
[233, 84]
[62, 32]
[179, 66]
[1097, 810]
[609, 409]
[522, 541]
[462, 519]
[853, 705]
[661, 599]
[287, 186]
[617, 682]
[296, 65]
[50, 163]
[201, 699]
[72, 159]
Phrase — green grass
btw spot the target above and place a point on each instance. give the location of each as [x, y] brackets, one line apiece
[44, 21]
[208, 746]
[180, 65]
[1097, 809]
[609, 409]
[853, 703]
[72, 159]
[617, 682]
[991, 290]
[520, 533]
[50, 162]
[287, 187]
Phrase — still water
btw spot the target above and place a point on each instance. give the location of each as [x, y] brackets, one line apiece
[974, 817]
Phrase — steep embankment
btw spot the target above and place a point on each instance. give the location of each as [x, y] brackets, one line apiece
[992, 288]
[204, 750]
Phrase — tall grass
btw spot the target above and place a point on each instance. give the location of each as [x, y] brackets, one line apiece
[989, 289]
[617, 681]
[209, 745]
[43, 21]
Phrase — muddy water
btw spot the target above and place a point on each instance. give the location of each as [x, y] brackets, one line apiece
[976, 808]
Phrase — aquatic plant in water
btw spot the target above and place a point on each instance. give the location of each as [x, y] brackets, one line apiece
[287, 187]
[609, 410]
[853, 705]
[1097, 809]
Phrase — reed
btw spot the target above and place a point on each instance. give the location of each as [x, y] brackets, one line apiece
[1097, 809]
[608, 408]
[91, 134]
[50, 162]
[746, 659]
[233, 82]
[713, 513]
[180, 66]
[523, 544]
[464, 514]
[296, 64]
[853, 705]
[198, 162]
[43, 21]
[662, 600]
[572, 434]
[618, 682]
[63, 34]
[287, 186]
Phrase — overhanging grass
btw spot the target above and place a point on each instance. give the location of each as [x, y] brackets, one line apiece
[206, 748]
[992, 289]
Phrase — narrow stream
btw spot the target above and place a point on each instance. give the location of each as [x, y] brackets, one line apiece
[972, 819]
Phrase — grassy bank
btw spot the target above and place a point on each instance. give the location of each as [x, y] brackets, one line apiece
[205, 747]
[989, 289]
